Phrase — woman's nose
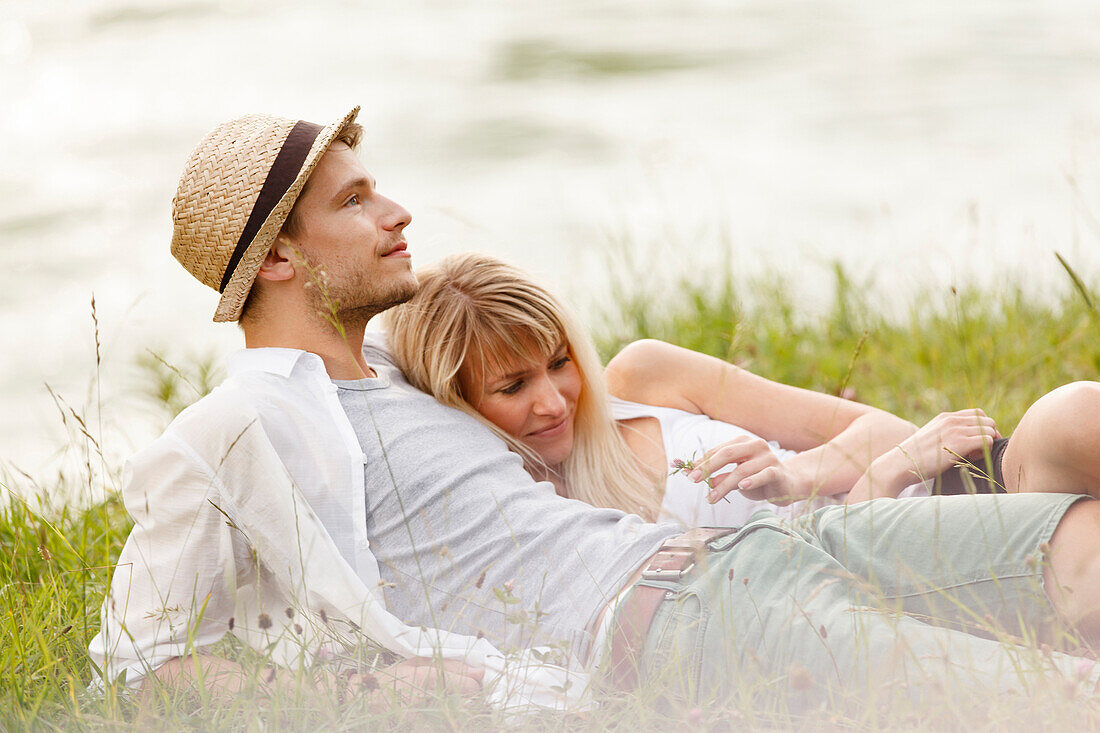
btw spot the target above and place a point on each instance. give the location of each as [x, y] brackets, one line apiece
[550, 401]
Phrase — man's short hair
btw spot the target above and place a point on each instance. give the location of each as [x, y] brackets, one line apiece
[351, 136]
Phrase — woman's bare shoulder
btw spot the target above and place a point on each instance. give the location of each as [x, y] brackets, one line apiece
[653, 372]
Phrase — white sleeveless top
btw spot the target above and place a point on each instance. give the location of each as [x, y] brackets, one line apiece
[686, 435]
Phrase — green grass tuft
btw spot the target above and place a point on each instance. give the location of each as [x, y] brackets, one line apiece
[952, 348]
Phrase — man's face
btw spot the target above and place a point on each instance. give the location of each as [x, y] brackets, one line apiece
[352, 240]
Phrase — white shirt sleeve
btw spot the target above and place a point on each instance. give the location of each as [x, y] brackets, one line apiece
[176, 579]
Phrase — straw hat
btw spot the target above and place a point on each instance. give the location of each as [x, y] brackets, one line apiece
[236, 191]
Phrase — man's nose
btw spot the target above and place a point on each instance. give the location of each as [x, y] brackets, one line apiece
[396, 216]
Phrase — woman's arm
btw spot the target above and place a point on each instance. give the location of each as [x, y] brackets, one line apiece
[837, 439]
[926, 454]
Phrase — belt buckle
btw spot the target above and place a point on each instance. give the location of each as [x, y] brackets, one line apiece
[672, 575]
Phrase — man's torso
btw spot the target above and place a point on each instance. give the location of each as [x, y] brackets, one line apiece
[467, 539]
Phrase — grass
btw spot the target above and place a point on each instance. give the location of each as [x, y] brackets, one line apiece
[951, 348]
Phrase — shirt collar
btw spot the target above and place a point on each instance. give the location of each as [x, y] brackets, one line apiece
[273, 360]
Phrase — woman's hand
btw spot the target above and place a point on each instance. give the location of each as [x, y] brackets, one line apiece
[754, 470]
[927, 453]
[938, 445]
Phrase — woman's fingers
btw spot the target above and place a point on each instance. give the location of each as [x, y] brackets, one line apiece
[971, 444]
[968, 439]
[772, 483]
[736, 451]
[724, 483]
[963, 419]
[950, 435]
[744, 464]
[966, 412]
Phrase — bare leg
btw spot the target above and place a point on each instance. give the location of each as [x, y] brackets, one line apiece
[1056, 446]
[1071, 578]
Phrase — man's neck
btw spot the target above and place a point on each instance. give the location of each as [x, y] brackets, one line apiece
[342, 354]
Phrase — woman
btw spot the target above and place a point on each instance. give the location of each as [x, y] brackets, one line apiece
[482, 337]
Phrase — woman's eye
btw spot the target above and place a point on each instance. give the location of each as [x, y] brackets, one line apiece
[512, 388]
[559, 363]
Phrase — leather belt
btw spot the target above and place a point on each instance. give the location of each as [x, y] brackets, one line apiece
[675, 559]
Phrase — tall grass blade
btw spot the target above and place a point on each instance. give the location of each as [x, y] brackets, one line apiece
[1077, 283]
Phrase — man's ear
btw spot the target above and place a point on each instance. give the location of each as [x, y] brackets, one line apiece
[279, 262]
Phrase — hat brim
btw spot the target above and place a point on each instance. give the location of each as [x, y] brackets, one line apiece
[240, 283]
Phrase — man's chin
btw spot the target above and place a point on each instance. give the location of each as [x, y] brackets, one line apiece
[403, 292]
[413, 286]
[360, 314]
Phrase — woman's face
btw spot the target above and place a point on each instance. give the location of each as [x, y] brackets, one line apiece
[531, 398]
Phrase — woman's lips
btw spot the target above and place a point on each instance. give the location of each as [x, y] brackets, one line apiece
[550, 432]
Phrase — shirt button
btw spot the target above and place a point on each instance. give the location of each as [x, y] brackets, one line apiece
[364, 458]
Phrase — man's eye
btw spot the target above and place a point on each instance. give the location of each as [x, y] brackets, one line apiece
[352, 201]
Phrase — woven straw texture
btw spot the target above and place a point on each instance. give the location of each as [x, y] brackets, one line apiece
[217, 191]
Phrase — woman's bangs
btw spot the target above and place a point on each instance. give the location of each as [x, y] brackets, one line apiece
[505, 344]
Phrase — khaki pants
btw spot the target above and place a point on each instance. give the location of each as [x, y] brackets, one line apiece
[883, 598]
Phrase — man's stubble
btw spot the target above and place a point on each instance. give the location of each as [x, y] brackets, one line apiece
[350, 303]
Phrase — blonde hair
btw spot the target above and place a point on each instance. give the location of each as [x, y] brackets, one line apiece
[471, 306]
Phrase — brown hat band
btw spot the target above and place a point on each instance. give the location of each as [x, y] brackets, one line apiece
[285, 169]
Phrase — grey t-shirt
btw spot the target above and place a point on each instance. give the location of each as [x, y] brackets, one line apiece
[468, 540]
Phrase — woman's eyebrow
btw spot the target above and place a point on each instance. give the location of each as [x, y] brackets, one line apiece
[511, 375]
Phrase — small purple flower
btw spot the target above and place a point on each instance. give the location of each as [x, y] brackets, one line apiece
[677, 463]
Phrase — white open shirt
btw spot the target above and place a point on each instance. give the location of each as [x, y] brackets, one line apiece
[250, 517]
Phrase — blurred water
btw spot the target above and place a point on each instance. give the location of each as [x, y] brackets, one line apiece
[915, 141]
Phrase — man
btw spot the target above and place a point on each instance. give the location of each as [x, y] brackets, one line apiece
[279, 506]
[181, 578]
